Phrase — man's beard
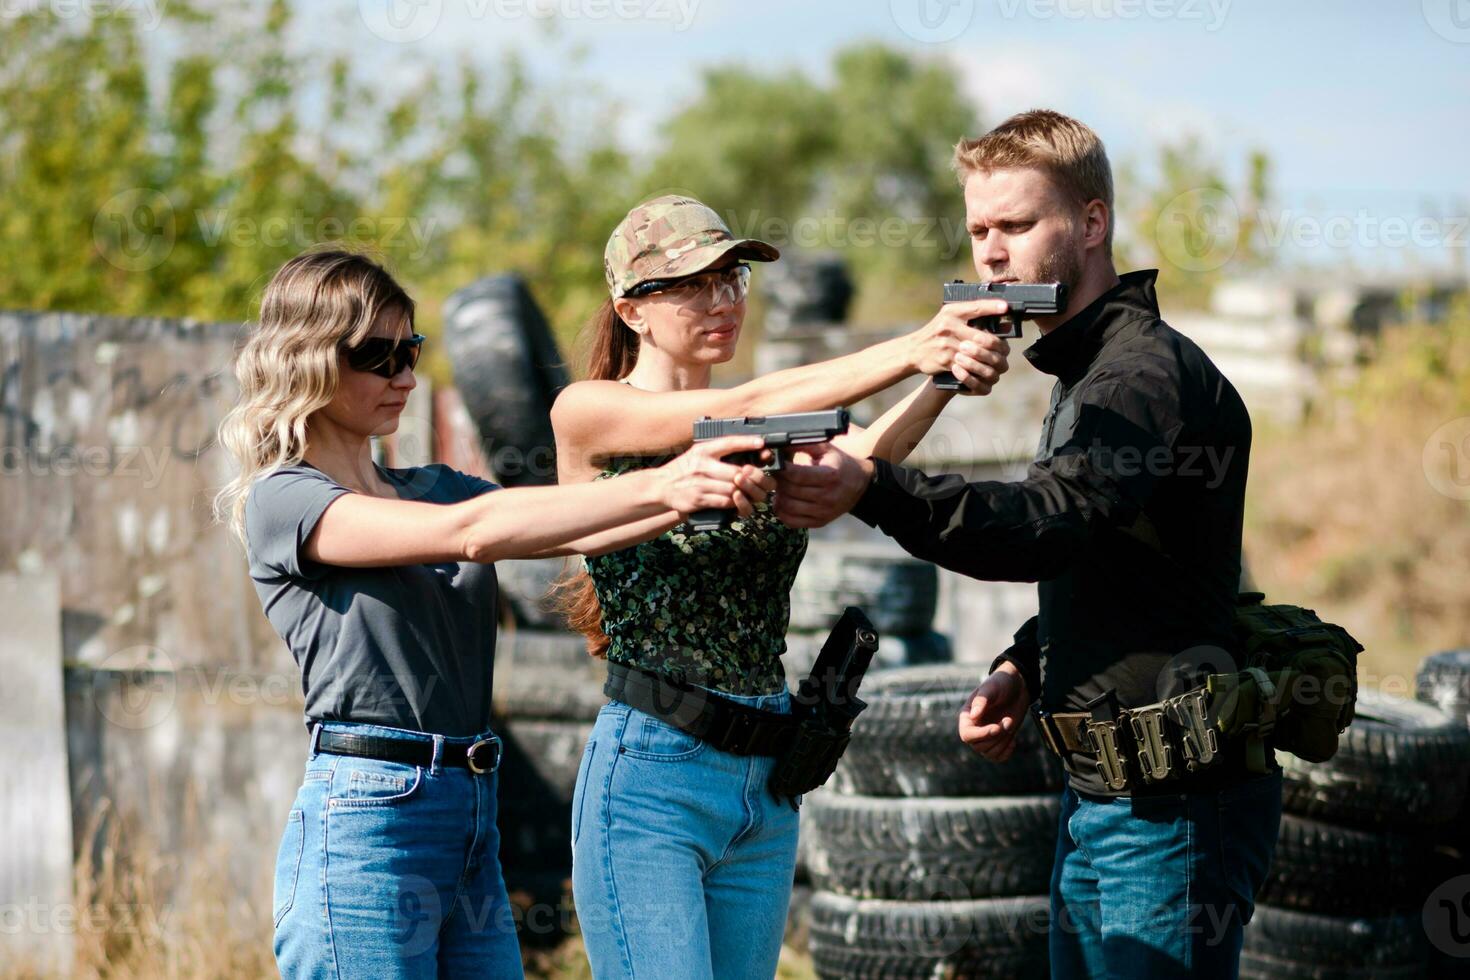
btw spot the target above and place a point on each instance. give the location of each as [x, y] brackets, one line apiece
[1060, 265]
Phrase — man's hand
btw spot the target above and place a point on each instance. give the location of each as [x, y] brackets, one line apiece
[992, 717]
[948, 343]
[820, 484]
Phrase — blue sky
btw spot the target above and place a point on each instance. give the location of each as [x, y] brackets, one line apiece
[1362, 106]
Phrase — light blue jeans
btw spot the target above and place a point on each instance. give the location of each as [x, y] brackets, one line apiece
[682, 860]
[392, 871]
[1160, 886]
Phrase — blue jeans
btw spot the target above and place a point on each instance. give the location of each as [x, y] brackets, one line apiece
[388, 870]
[1160, 886]
[682, 860]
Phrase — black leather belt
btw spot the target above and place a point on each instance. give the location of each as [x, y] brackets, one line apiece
[727, 725]
[481, 757]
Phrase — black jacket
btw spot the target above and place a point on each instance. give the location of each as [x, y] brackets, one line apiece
[1129, 518]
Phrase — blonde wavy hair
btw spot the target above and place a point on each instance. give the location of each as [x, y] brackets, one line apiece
[315, 304]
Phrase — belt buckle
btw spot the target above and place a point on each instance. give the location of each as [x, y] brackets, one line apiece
[1200, 741]
[1154, 754]
[475, 767]
[1103, 738]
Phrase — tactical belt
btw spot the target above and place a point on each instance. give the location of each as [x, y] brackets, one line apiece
[1134, 747]
[727, 725]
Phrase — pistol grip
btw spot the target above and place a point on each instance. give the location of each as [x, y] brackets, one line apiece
[712, 519]
[1008, 326]
[945, 381]
[1002, 326]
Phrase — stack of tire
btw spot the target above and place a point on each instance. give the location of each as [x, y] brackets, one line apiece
[1444, 681]
[925, 859]
[547, 692]
[896, 591]
[1357, 857]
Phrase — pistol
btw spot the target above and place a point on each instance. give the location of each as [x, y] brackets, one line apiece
[779, 431]
[1025, 299]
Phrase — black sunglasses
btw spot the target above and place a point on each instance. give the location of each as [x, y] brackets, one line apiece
[385, 357]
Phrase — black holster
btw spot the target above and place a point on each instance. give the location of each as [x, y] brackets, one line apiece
[810, 761]
[826, 705]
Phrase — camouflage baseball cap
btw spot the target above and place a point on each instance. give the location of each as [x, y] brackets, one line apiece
[672, 236]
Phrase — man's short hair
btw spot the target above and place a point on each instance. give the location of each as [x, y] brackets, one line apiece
[1066, 149]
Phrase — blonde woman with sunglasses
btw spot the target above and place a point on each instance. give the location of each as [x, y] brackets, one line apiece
[381, 581]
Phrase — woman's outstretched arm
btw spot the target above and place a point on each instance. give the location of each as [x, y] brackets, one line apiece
[897, 431]
[605, 418]
[358, 530]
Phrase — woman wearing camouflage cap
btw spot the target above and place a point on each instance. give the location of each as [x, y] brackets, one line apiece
[682, 860]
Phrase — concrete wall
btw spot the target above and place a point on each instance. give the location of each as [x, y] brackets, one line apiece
[167, 706]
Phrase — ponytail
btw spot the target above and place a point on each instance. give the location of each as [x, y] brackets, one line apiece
[612, 346]
[611, 352]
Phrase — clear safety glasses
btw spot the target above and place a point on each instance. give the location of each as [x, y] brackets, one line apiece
[703, 290]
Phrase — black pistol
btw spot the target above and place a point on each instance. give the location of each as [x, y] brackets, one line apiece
[779, 431]
[1026, 300]
[826, 704]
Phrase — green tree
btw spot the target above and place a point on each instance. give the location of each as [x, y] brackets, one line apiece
[1191, 222]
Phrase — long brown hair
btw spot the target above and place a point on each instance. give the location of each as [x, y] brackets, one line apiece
[611, 351]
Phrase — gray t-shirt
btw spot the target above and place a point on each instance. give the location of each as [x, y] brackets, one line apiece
[411, 646]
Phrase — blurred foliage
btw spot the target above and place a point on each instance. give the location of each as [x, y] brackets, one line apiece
[1191, 223]
[170, 172]
[1364, 512]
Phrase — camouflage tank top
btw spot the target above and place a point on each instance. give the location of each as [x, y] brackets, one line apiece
[709, 608]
